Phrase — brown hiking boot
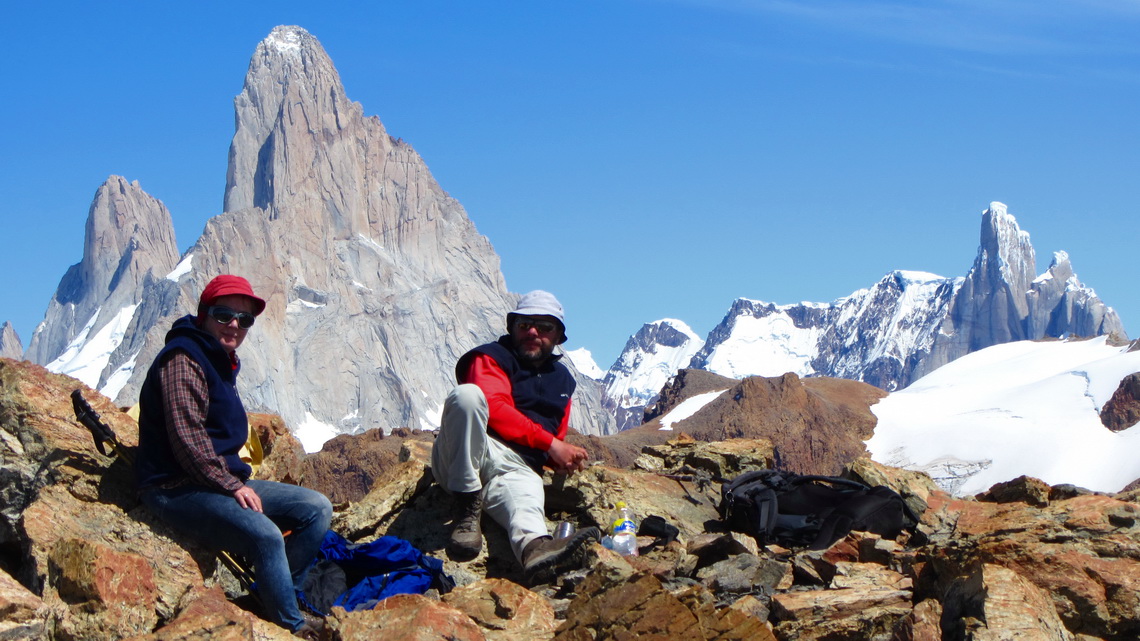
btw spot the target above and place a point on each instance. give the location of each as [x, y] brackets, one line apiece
[466, 537]
[545, 555]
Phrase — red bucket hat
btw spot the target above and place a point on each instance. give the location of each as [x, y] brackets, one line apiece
[227, 285]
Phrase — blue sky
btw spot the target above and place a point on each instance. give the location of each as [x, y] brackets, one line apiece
[641, 159]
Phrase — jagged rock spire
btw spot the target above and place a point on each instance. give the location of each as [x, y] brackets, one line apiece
[1003, 299]
[10, 345]
[129, 241]
[376, 279]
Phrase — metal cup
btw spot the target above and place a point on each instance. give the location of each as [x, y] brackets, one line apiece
[564, 529]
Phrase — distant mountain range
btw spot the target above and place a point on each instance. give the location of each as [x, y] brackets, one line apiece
[889, 335]
[377, 281]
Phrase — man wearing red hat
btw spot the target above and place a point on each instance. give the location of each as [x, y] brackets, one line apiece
[500, 427]
[192, 426]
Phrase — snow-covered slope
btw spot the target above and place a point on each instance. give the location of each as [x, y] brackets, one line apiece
[1022, 408]
[584, 362]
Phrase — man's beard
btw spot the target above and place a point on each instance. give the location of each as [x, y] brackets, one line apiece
[533, 356]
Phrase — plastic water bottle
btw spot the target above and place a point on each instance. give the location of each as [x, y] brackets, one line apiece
[623, 532]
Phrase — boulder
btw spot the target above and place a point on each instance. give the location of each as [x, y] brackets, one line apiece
[1122, 411]
[993, 602]
[1033, 491]
[408, 617]
[618, 602]
[23, 615]
[1083, 552]
[505, 610]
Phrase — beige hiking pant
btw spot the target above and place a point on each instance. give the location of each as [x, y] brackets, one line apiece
[466, 459]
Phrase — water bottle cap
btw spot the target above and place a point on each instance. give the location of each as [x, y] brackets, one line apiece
[620, 505]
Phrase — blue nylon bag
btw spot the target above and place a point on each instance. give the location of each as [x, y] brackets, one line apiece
[371, 572]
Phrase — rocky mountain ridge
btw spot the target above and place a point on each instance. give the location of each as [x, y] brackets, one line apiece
[903, 327]
[376, 279]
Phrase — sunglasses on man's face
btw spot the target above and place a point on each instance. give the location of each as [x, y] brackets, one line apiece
[224, 315]
[541, 326]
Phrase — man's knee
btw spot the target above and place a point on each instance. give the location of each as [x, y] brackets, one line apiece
[465, 406]
[313, 507]
[322, 508]
[466, 398]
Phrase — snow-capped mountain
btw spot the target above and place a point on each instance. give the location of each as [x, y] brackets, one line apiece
[650, 358]
[866, 336]
[584, 362]
[906, 325]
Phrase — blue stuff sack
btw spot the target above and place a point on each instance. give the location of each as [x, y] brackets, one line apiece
[357, 576]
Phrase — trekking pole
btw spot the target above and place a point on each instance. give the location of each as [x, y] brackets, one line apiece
[240, 571]
[100, 431]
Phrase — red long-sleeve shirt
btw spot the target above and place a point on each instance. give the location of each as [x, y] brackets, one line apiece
[507, 421]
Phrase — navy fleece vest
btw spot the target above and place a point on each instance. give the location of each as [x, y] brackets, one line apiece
[226, 421]
[541, 393]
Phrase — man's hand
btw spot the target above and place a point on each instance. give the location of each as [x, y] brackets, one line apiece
[247, 498]
[566, 458]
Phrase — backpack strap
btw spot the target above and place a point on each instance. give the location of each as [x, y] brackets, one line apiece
[832, 480]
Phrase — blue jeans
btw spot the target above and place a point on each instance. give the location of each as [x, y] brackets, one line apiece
[215, 520]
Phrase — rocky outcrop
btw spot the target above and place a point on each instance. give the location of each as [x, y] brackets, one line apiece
[812, 425]
[1122, 411]
[815, 425]
[376, 279]
[82, 560]
[10, 345]
[686, 384]
[72, 532]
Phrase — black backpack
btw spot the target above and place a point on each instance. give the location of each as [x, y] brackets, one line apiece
[810, 511]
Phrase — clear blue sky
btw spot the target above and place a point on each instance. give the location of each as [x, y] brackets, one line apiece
[640, 159]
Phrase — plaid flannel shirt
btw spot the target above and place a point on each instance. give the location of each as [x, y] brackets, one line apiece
[186, 401]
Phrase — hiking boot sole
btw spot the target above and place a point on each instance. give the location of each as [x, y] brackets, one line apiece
[461, 551]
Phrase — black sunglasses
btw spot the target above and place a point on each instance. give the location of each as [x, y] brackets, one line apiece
[224, 315]
[543, 327]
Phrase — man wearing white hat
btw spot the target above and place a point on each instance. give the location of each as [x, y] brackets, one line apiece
[505, 421]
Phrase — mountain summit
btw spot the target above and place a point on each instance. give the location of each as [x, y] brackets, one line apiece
[376, 279]
[128, 245]
[10, 345]
[1003, 299]
[905, 326]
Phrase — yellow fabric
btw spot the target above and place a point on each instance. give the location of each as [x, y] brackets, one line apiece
[251, 452]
